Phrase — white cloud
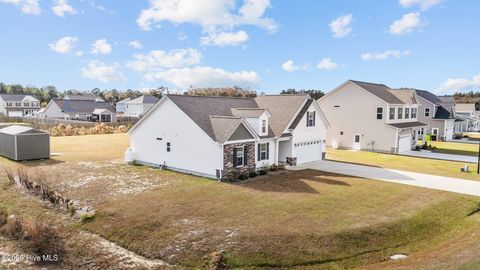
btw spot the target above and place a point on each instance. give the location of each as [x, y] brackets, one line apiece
[101, 46]
[135, 44]
[341, 26]
[63, 45]
[289, 66]
[158, 60]
[211, 15]
[406, 24]
[423, 4]
[26, 6]
[61, 7]
[205, 77]
[223, 39]
[459, 84]
[182, 36]
[100, 71]
[327, 64]
[79, 53]
[384, 55]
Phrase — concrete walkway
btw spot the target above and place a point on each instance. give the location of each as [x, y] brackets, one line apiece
[456, 185]
[450, 157]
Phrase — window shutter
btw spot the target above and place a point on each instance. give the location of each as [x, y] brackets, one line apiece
[234, 157]
[245, 155]
[258, 152]
[313, 119]
[268, 150]
[307, 118]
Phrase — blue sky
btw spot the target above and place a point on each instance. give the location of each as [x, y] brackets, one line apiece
[265, 45]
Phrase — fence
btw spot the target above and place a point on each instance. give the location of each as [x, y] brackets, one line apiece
[46, 123]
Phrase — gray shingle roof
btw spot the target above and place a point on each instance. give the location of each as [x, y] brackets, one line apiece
[283, 108]
[407, 96]
[248, 112]
[81, 106]
[145, 100]
[407, 124]
[14, 97]
[82, 97]
[429, 97]
[216, 115]
[379, 90]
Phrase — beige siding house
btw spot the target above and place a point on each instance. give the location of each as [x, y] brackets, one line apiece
[437, 114]
[373, 117]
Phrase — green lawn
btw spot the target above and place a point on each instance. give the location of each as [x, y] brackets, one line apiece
[420, 165]
[456, 148]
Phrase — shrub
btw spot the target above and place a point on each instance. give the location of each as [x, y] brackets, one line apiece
[3, 217]
[273, 168]
[87, 217]
[243, 176]
[262, 172]
[13, 227]
[43, 239]
[252, 174]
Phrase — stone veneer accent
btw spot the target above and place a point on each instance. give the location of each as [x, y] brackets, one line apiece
[229, 171]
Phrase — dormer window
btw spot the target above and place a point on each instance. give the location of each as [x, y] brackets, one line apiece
[407, 113]
[400, 113]
[413, 113]
[310, 119]
[264, 126]
[392, 113]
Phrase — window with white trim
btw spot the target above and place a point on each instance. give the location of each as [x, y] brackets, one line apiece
[239, 157]
[169, 146]
[310, 119]
[379, 113]
[263, 151]
[413, 113]
[392, 113]
[400, 113]
[407, 113]
[264, 126]
[427, 112]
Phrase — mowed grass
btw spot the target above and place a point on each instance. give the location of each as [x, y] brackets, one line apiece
[454, 148]
[414, 164]
[90, 147]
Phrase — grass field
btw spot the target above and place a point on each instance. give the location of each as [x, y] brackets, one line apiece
[414, 164]
[456, 148]
[295, 220]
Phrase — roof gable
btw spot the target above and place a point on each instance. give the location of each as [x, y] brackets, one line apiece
[379, 90]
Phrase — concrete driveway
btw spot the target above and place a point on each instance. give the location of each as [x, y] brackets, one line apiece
[431, 155]
[456, 185]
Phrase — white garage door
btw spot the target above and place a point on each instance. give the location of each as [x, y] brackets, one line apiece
[404, 143]
[15, 113]
[308, 151]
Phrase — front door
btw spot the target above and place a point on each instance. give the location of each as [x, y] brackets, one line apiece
[357, 144]
[434, 134]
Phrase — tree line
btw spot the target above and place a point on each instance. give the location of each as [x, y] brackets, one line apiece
[468, 97]
[46, 93]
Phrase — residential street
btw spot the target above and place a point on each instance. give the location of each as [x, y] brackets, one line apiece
[396, 176]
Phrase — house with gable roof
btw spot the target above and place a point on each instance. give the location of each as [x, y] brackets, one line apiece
[217, 137]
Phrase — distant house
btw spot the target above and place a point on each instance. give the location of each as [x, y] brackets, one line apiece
[121, 106]
[139, 106]
[466, 112]
[84, 97]
[219, 136]
[373, 117]
[18, 105]
[438, 114]
[80, 109]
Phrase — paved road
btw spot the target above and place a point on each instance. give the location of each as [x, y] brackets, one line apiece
[456, 185]
[425, 154]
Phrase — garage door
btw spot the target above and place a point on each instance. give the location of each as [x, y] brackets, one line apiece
[15, 113]
[308, 151]
[404, 143]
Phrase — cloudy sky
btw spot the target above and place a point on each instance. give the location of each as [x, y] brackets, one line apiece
[267, 45]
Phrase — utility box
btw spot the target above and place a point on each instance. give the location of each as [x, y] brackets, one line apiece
[24, 143]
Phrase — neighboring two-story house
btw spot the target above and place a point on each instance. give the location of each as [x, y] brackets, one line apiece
[14, 105]
[437, 114]
[139, 106]
[466, 112]
[374, 117]
[219, 136]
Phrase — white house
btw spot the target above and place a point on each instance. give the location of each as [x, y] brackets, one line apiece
[139, 106]
[121, 106]
[466, 112]
[218, 137]
[18, 105]
[369, 116]
[80, 109]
